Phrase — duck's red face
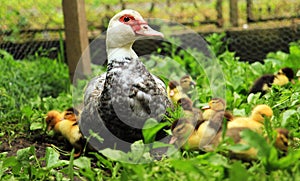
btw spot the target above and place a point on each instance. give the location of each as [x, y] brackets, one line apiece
[139, 25]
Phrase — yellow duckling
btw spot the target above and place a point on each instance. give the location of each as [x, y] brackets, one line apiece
[174, 92]
[180, 90]
[255, 121]
[69, 129]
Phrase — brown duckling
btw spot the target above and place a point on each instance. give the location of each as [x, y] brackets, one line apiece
[186, 83]
[190, 112]
[282, 139]
[69, 129]
[185, 135]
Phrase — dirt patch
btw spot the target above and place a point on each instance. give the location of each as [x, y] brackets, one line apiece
[39, 141]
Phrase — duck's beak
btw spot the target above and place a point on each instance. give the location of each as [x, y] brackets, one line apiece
[145, 30]
[206, 107]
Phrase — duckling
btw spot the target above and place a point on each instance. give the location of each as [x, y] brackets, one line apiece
[213, 119]
[281, 142]
[284, 76]
[265, 82]
[255, 121]
[174, 92]
[234, 134]
[71, 114]
[69, 129]
[184, 135]
[190, 112]
[282, 139]
[186, 83]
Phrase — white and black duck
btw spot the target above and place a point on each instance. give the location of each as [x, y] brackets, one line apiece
[118, 102]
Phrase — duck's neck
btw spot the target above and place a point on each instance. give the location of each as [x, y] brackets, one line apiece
[120, 53]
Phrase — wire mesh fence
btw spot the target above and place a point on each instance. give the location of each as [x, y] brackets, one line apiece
[32, 27]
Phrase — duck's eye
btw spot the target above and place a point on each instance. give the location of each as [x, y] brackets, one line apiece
[126, 19]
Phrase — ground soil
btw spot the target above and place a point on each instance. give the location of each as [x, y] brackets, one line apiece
[36, 139]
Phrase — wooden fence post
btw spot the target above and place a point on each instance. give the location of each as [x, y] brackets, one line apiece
[220, 20]
[249, 11]
[233, 7]
[76, 38]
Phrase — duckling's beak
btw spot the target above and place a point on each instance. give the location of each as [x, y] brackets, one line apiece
[49, 128]
[172, 93]
[192, 83]
[293, 81]
[173, 139]
[206, 107]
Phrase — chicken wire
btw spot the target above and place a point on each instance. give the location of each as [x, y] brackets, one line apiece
[30, 35]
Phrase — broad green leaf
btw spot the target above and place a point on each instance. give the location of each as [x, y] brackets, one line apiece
[237, 171]
[239, 112]
[188, 166]
[36, 126]
[52, 159]
[238, 147]
[116, 155]
[256, 141]
[83, 162]
[286, 115]
[150, 129]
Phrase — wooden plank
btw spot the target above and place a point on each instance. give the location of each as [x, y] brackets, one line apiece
[76, 38]
[233, 6]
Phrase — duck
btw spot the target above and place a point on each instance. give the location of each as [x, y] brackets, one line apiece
[71, 114]
[282, 139]
[186, 83]
[213, 115]
[203, 131]
[284, 76]
[265, 82]
[121, 100]
[182, 89]
[190, 112]
[184, 134]
[69, 129]
[174, 91]
[255, 121]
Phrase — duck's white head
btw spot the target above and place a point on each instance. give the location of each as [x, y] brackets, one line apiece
[123, 29]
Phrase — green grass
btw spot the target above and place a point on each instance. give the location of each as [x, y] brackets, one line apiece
[29, 88]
